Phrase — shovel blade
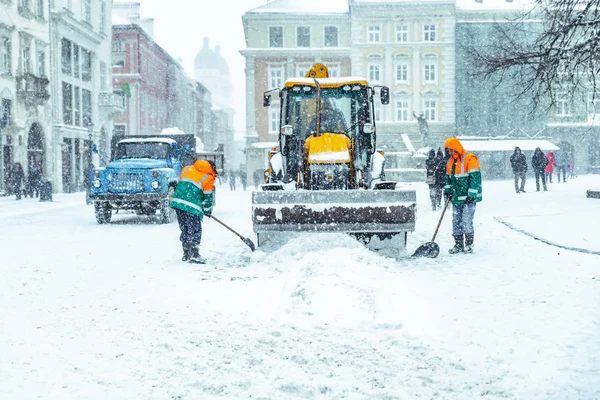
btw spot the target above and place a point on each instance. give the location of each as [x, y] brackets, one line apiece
[429, 250]
[249, 243]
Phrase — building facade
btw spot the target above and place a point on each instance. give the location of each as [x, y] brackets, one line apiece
[83, 104]
[408, 46]
[25, 112]
[283, 41]
[212, 71]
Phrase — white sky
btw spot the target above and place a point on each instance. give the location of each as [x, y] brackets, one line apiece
[181, 25]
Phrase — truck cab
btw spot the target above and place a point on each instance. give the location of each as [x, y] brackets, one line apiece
[142, 176]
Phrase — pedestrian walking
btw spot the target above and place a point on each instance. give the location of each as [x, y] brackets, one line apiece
[87, 183]
[434, 179]
[243, 178]
[463, 188]
[193, 199]
[232, 175]
[256, 177]
[550, 167]
[18, 179]
[34, 181]
[572, 169]
[518, 162]
[562, 163]
[538, 163]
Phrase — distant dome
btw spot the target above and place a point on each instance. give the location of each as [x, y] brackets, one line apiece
[211, 59]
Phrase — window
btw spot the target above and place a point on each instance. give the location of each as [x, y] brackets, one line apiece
[86, 106]
[6, 113]
[302, 69]
[331, 36]
[334, 70]
[374, 33]
[5, 50]
[429, 69]
[103, 83]
[87, 11]
[401, 33]
[76, 63]
[275, 36]
[402, 68]
[39, 9]
[41, 60]
[66, 60]
[26, 66]
[377, 107]
[77, 105]
[563, 106]
[67, 103]
[429, 33]
[23, 5]
[275, 77]
[86, 65]
[402, 110]
[430, 106]
[118, 53]
[274, 119]
[303, 36]
[374, 68]
[102, 24]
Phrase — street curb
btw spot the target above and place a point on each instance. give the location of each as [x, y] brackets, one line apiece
[548, 242]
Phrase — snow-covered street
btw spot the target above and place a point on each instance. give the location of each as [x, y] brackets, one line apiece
[93, 311]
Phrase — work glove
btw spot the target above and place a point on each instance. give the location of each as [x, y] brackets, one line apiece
[448, 196]
[470, 200]
[208, 213]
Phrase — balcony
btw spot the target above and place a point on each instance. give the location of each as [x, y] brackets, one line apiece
[111, 104]
[32, 90]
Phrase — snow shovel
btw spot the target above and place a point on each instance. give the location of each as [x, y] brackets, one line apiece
[431, 249]
[246, 241]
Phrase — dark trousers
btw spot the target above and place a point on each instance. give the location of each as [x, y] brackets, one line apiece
[522, 176]
[191, 227]
[562, 168]
[538, 175]
[435, 194]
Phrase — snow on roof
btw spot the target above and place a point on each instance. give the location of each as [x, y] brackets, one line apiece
[172, 131]
[118, 20]
[148, 140]
[303, 6]
[327, 81]
[500, 5]
[507, 144]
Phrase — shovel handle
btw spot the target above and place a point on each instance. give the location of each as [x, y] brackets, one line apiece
[225, 225]
[440, 221]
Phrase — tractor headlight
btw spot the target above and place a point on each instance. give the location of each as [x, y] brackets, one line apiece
[155, 185]
[97, 183]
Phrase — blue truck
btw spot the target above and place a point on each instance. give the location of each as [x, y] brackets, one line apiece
[141, 176]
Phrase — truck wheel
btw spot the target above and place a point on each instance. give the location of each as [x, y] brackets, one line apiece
[103, 212]
[167, 214]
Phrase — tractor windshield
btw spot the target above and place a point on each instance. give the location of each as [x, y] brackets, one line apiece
[343, 110]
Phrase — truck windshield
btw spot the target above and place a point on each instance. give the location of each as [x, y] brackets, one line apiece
[343, 110]
[143, 150]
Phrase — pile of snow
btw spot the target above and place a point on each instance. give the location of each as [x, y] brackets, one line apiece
[199, 144]
[172, 131]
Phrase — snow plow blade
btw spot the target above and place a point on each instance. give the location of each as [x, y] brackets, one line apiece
[352, 211]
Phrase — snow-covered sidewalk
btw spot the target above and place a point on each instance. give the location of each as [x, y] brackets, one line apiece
[107, 312]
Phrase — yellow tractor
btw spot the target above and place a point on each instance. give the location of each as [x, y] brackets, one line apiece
[327, 174]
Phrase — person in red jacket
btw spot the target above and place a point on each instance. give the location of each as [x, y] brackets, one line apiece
[550, 167]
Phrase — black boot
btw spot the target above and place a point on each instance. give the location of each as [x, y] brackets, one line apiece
[195, 257]
[459, 245]
[186, 251]
[469, 238]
